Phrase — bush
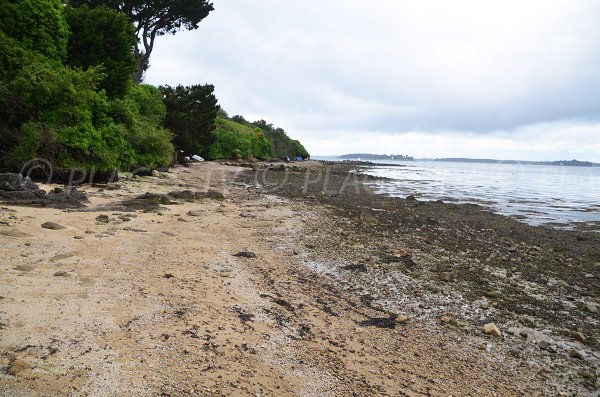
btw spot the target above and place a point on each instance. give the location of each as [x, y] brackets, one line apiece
[237, 141]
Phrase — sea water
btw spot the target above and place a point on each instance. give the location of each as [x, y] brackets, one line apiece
[536, 194]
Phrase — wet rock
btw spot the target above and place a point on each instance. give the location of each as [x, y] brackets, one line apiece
[52, 226]
[492, 330]
[245, 254]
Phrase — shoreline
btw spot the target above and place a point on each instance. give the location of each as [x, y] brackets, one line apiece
[159, 303]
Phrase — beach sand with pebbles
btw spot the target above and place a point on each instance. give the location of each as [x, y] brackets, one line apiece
[266, 287]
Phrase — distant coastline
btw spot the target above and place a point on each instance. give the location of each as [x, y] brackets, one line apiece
[400, 157]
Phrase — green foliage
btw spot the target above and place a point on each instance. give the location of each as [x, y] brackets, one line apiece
[191, 114]
[142, 112]
[37, 25]
[61, 114]
[101, 36]
[283, 146]
[155, 18]
[237, 141]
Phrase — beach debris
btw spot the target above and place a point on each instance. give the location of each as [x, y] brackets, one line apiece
[383, 322]
[245, 254]
[492, 330]
[356, 268]
[52, 226]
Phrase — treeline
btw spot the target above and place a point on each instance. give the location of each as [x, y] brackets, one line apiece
[70, 90]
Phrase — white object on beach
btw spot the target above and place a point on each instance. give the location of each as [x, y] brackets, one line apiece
[197, 158]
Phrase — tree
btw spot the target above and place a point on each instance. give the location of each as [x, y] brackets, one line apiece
[191, 114]
[101, 36]
[155, 18]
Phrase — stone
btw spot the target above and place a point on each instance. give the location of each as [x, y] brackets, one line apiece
[446, 319]
[484, 305]
[184, 195]
[61, 273]
[401, 319]
[492, 330]
[103, 218]
[24, 268]
[194, 213]
[578, 354]
[245, 254]
[579, 337]
[52, 226]
[544, 345]
[211, 194]
[446, 276]
[591, 308]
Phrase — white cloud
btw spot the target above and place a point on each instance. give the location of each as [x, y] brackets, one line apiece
[465, 76]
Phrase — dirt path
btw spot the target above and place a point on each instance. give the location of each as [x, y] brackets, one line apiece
[158, 305]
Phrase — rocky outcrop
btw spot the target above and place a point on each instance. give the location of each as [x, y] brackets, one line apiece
[19, 190]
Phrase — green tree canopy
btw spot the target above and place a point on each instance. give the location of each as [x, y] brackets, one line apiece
[155, 18]
[191, 113]
[101, 36]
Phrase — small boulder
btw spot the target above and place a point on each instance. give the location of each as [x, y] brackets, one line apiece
[446, 276]
[103, 218]
[52, 226]
[61, 273]
[492, 330]
[245, 254]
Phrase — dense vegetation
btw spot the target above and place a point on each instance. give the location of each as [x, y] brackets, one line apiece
[238, 141]
[67, 98]
[70, 91]
[283, 147]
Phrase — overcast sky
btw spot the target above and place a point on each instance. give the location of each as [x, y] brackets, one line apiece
[462, 78]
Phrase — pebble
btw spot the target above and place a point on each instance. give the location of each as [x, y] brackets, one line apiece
[491, 329]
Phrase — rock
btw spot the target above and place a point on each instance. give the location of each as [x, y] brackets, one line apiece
[381, 322]
[591, 308]
[103, 218]
[579, 336]
[184, 195]
[245, 254]
[446, 319]
[578, 354]
[401, 319]
[24, 268]
[52, 226]
[484, 305]
[211, 194]
[411, 198]
[16, 182]
[195, 213]
[155, 198]
[445, 276]
[544, 345]
[492, 330]
[356, 268]
[61, 273]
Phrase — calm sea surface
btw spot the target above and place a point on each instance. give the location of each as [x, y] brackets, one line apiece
[536, 194]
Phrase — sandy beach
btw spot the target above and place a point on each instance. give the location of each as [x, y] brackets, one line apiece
[275, 284]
